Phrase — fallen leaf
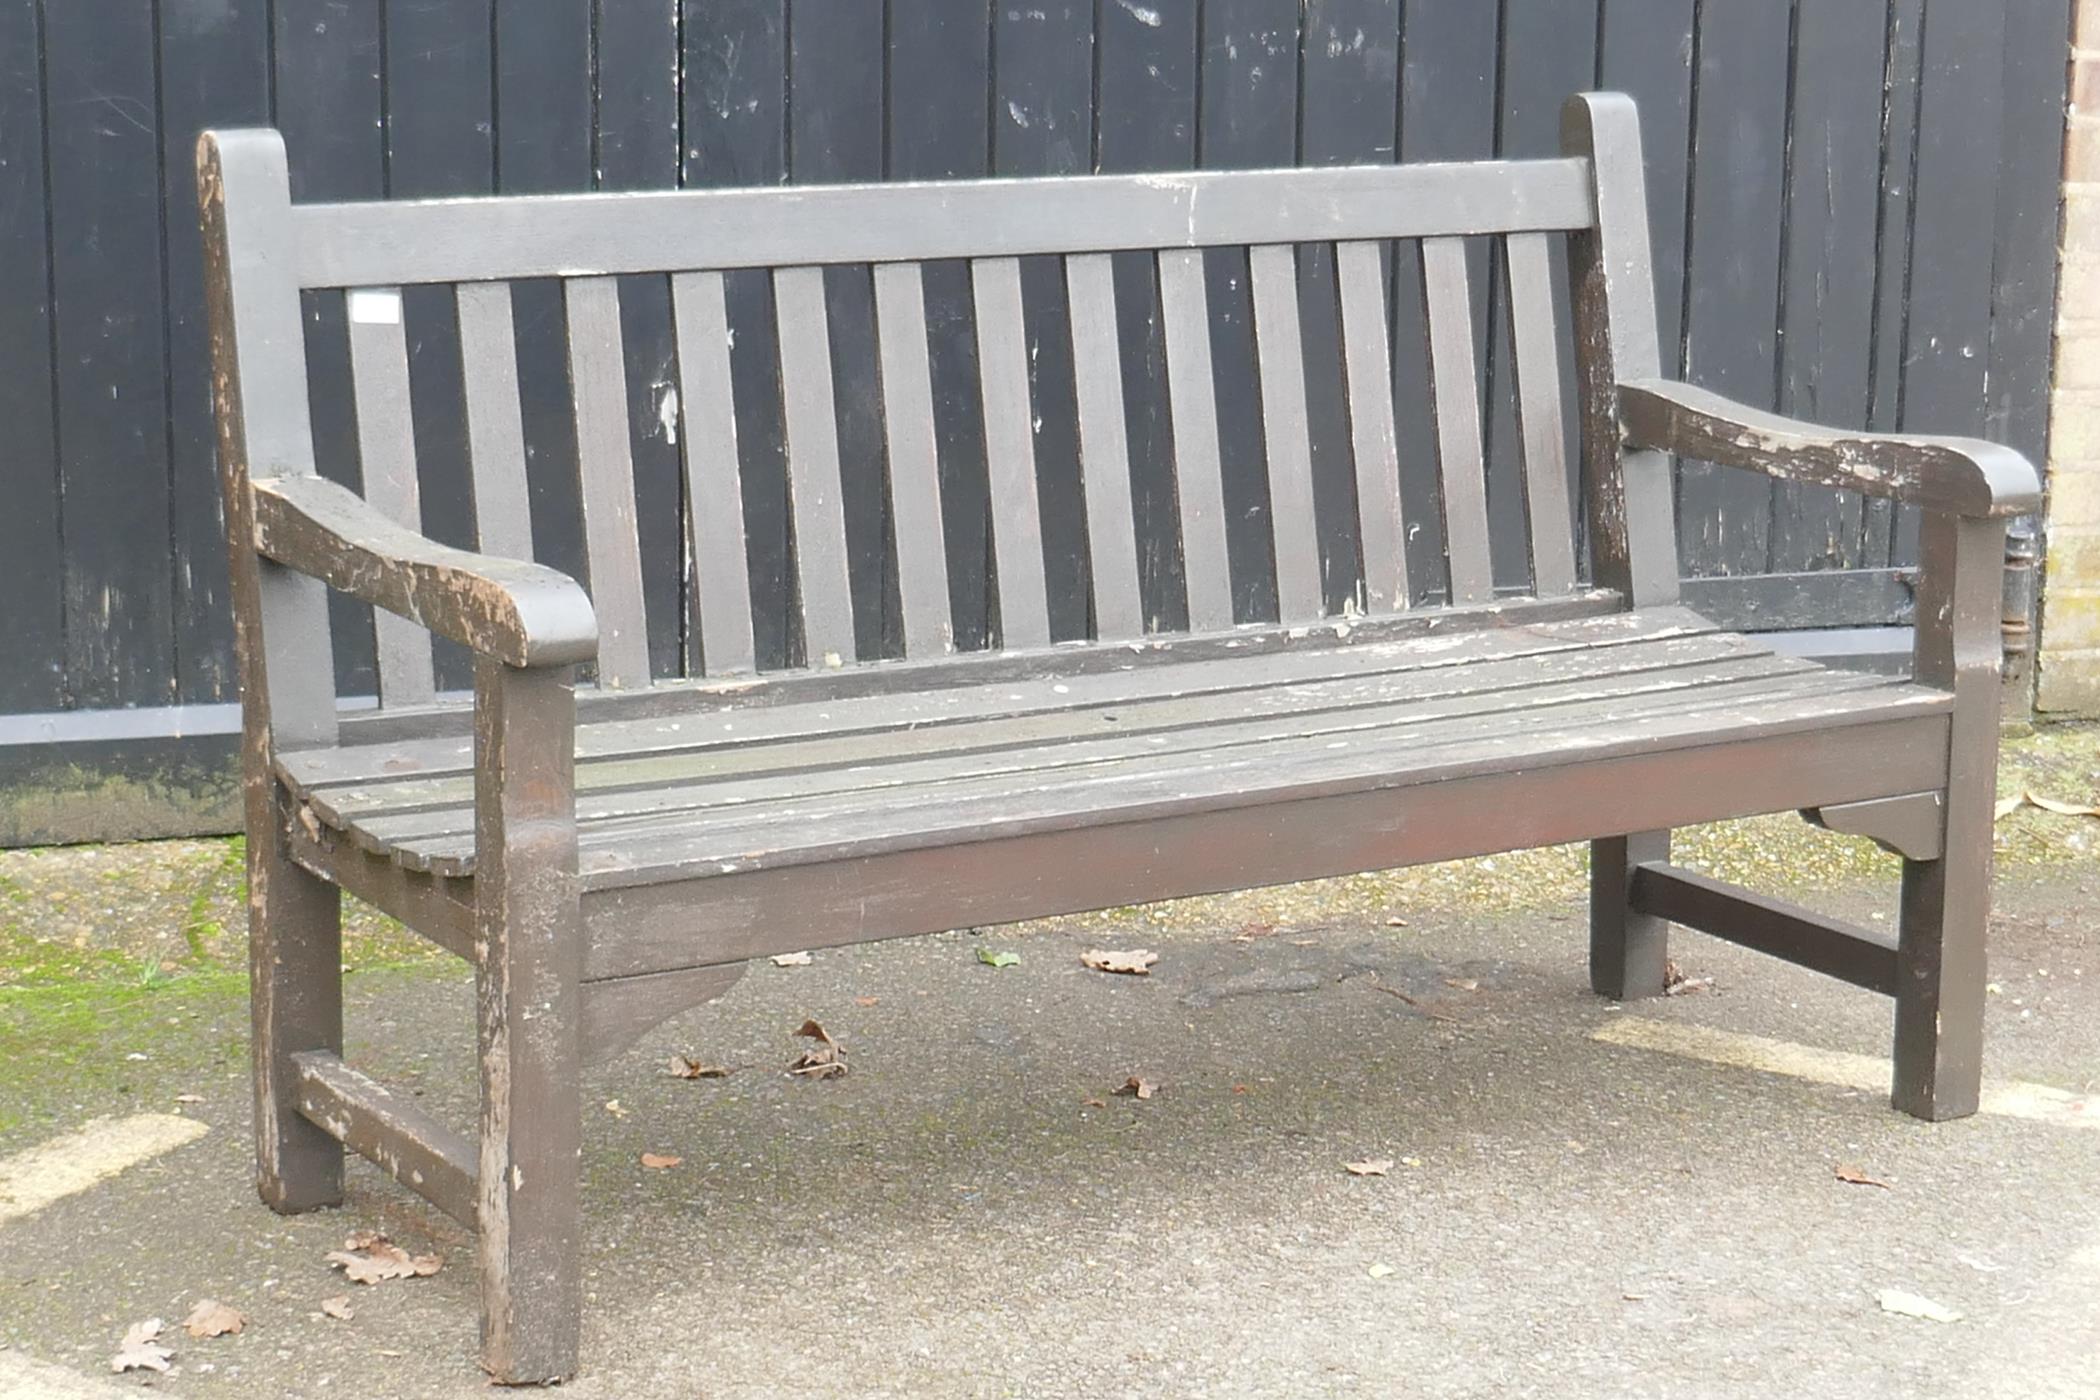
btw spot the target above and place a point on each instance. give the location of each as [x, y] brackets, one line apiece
[189, 1098]
[866, 1001]
[1093, 1103]
[613, 1107]
[1376, 1166]
[686, 1067]
[139, 1351]
[339, 1307]
[791, 960]
[1137, 1088]
[660, 1161]
[1242, 1089]
[212, 1318]
[998, 959]
[2006, 806]
[1396, 922]
[370, 1258]
[2061, 807]
[1133, 962]
[1895, 1300]
[824, 1060]
[1380, 1271]
[1676, 984]
[1855, 1176]
[1463, 984]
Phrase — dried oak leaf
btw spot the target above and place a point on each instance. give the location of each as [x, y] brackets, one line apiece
[1376, 1166]
[2061, 807]
[791, 960]
[660, 1161]
[1676, 984]
[212, 1318]
[1137, 1088]
[1133, 962]
[1856, 1176]
[370, 1258]
[686, 1067]
[139, 1350]
[824, 1060]
[338, 1307]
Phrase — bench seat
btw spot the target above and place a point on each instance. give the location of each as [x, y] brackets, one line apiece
[727, 789]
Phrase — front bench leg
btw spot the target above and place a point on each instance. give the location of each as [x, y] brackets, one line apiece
[295, 971]
[1629, 950]
[529, 942]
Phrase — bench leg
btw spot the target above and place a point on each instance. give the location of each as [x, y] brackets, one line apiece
[1940, 976]
[295, 971]
[1628, 950]
[529, 933]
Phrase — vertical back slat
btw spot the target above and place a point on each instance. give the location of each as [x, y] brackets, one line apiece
[721, 605]
[915, 485]
[1280, 351]
[1461, 470]
[809, 406]
[1009, 440]
[1539, 418]
[605, 466]
[488, 361]
[1104, 448]
[386, 448]
[1367, 362]
[1184, 305]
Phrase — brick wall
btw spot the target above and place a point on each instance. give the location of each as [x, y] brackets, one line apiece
[2069, 675]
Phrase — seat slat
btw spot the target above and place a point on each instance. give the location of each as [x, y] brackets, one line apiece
[1199, 486]
[1028, 746]
[1454, 394]
[1540, 423]
[1287, 766]
[1104, 447]
[1273, 270]
[1367, 364]
[1071, 686]
[714, 487]
[488, 362]
[1009, 447]
[809, 404]
[386, 449]
[605, 466]
[915, 484]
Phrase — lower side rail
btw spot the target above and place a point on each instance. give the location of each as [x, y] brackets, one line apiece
[408, 1144]
[1833, 947]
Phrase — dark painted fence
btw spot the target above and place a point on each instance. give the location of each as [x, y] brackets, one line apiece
[1854, 206]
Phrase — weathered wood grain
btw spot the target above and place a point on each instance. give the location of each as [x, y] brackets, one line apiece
[398, 1136]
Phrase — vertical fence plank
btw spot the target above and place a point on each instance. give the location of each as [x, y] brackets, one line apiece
[1904, 45]
[2023, 301]
[1145, 119]
[636, 117]
[1645, 50]
[1349, 59]
[214, 70]
[735, 124]
[32, 625]
[1448, 77]
[1549, 49]
[915, 485]
[1248, 119]
[1737, 204]
[1827, 299]
[104, 192]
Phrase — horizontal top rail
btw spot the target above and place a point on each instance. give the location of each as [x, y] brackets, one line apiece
[375, 243]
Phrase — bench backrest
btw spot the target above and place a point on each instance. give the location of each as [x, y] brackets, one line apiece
[1397, 236]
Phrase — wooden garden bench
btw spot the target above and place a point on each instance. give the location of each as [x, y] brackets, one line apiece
[609, 855]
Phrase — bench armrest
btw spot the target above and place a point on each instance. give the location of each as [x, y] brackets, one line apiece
[1960, 476]
[515, 612]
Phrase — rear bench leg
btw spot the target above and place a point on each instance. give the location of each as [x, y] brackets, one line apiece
[529, 937]
[1629, 950]
[295, 970]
